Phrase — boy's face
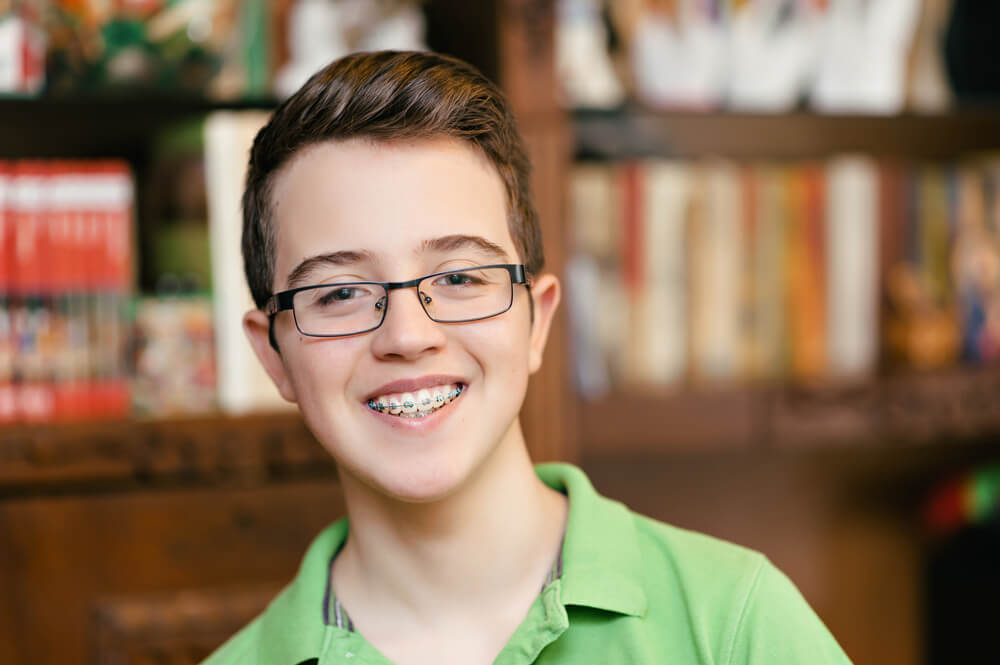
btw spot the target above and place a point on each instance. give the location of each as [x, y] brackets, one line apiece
[394, 212]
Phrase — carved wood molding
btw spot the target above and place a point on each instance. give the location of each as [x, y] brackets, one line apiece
[181, 628]
[909, 409]
[248, 449]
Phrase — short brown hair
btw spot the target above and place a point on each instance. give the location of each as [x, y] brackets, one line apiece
[385, 96]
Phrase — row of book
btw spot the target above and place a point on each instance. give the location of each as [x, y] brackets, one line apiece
[719, 272]
[65, 287]
[77, 340]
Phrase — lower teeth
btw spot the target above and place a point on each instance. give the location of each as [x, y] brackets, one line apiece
[374, 406]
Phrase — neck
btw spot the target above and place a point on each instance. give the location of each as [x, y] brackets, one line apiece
[501, 530]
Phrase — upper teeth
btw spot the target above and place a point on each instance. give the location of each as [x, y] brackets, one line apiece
[416, 404]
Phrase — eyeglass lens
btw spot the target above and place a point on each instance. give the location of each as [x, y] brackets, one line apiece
[350, 308]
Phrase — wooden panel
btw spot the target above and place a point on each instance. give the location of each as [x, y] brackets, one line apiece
[61, 556]
[527, 55]
[548, 416]
[658, 421]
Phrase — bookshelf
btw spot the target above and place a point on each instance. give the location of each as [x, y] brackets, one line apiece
[887, 412]
[132, 524]
[835, 469]
[827, 477]
[636, 131]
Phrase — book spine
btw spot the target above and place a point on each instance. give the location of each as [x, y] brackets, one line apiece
[8, 409]
[852, 257]
[805, 281]
[769, 274]
[662, 317]
[242, 383]
[29, 312]
[593, 225]
[716, 270]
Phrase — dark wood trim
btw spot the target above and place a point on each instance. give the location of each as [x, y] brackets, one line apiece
[637, 132]
[893, 411]
[197, 450]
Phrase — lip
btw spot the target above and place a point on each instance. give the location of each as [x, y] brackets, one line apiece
[413, 385]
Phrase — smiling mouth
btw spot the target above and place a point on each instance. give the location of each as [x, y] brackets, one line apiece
[419, 404]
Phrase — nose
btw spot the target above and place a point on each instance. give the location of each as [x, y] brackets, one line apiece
[407, 331]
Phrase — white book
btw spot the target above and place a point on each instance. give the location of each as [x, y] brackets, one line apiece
[852, 265]
[590, 364]
[243, 385]
[662, 335]
[716, 271]
[594, 202]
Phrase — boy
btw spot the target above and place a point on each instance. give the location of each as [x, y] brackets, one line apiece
[394, 253]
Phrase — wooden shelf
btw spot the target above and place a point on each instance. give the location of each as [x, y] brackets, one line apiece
[99, 126]
[197, 450]
[907, 410]
[637, 132]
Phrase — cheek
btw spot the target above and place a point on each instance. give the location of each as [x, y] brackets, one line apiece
[502, 349]
[321, 367]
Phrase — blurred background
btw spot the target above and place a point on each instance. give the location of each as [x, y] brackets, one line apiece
[778, 227]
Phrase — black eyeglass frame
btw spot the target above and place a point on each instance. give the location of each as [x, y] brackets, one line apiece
[284, 300]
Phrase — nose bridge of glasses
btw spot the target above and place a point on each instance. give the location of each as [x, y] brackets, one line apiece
[422, 297]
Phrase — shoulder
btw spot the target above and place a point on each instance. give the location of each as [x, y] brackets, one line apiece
[712, 576]
[748, 610]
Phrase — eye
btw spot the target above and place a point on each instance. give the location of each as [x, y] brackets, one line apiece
[458, 278]
[340, 294]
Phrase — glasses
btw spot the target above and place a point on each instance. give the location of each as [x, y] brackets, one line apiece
[352, 308]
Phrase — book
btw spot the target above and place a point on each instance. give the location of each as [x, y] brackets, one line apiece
[852, 260]
[8, 407]
[243, 385]
[716, 268]
[769, 351]
[806, 279]
[658, 339]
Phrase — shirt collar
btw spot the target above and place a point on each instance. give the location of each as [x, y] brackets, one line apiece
[293, 621]
[601, 559]
[601, 567]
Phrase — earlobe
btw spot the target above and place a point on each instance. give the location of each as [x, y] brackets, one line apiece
[546, 293]
[256, 326]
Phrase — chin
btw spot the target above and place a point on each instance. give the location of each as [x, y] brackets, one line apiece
[424, 477]
[419, 483]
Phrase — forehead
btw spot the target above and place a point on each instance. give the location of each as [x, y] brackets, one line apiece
[386, 200]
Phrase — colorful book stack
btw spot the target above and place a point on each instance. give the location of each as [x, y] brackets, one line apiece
[711, 272]
[65, 283]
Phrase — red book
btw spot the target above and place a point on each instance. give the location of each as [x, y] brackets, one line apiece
[112, 209]
[31, 286]
[8, 410]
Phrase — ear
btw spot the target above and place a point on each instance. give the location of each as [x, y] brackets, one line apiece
[546, 293]
[256, 325]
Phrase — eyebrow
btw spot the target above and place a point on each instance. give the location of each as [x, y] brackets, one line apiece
[459, 241]
[301, 273]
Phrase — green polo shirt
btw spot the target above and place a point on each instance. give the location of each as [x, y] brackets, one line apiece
[632, 590]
